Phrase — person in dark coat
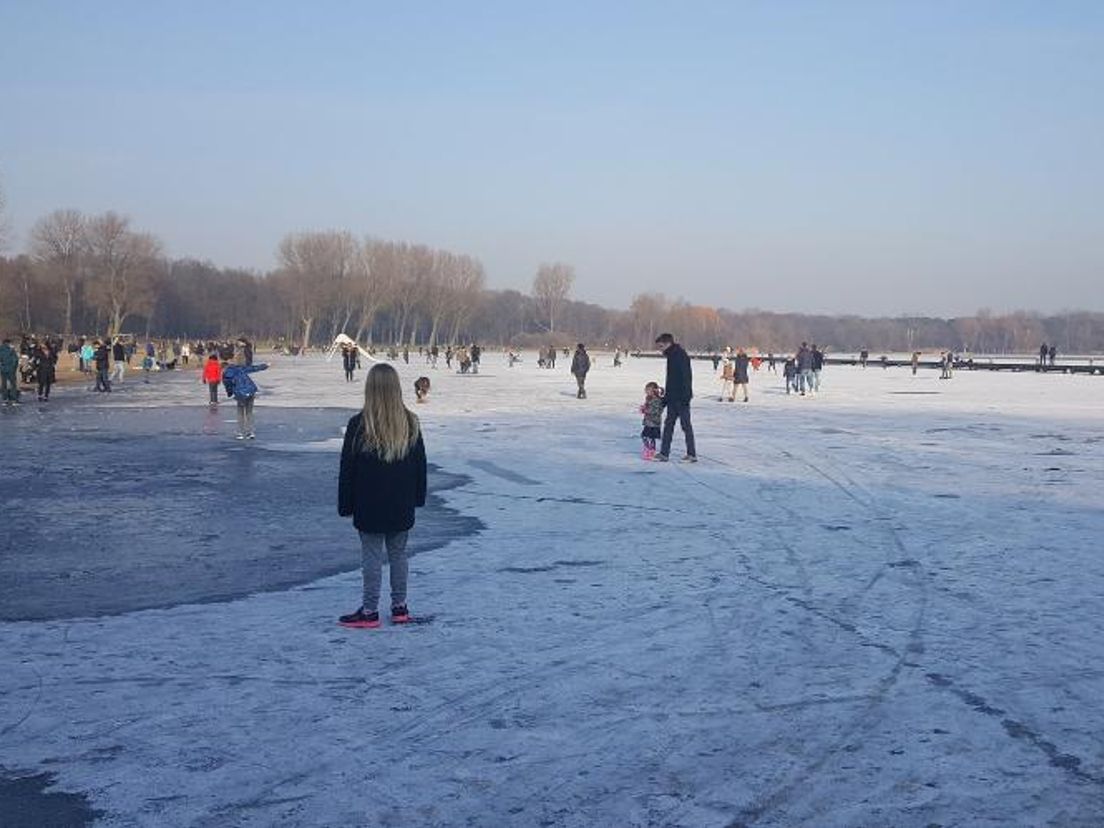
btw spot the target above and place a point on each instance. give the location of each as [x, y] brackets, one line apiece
[804, 360]
[102, 358]
[9, 373]
[349, 361]
[789, 373]
[580, 365]
[45, 361]
[818, 366]
[676, 397]
[382, 481]
[740, 371]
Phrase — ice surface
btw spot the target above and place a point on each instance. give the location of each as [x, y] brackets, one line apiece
[870, 607]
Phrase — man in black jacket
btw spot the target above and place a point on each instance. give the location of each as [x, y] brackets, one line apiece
[676, 397]
[580, 365]
[102, 357]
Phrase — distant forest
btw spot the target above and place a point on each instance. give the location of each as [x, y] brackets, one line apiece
[87, 275]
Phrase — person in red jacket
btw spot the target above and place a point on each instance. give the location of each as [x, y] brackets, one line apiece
[212, 375]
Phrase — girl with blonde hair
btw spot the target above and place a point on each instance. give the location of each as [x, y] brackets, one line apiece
[382, 481]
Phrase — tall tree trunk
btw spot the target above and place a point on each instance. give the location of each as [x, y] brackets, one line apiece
[117, 317]
[307, 322]
[28, 326]
[68, 310]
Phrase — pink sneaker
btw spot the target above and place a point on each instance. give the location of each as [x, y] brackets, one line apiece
[648, 453]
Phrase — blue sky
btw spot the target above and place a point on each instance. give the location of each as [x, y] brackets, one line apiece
[865, 157]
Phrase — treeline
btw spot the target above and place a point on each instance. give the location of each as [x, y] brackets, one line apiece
[98, 275]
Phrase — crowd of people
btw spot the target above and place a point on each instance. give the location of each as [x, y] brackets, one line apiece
[382, 478]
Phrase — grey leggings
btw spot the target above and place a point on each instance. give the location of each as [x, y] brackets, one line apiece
[374, 549]
[245, 416]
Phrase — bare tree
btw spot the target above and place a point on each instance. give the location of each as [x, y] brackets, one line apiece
[466, 292]
[439, 293]
[415, 268]
[123, 266]
[551, 287]
[377, 276]
[58, 244]
[648, 312]
[317, 265]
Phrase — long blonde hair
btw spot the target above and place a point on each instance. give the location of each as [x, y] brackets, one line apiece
[390, 429]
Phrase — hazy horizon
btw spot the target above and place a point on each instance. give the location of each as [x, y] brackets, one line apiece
[867, 158]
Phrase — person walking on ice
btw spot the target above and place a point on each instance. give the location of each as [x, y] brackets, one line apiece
[348, 361]
[740, 371]
[580, 365]
[212, 375]
[676, 398]
[382, 481]
[241, 387]
[728, 376]
[9, 365]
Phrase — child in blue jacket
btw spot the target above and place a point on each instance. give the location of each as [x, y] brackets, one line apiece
[241, 387]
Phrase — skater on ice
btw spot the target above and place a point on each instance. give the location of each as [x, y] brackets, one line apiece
[212, 375]
[382, 480]
[9, 364]
[740, 370]
[728, 380]
[652, 409]
[789, 374]
[45, 362]
[348, 361]
[677, 394]
[241, 387]
[804, 359]
[580, 365]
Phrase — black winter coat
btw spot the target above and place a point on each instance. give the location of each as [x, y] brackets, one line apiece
[741, 371]
[580, 363]
[679, 386]
[381, 497]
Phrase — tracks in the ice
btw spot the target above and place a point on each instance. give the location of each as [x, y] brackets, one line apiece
[896, 558]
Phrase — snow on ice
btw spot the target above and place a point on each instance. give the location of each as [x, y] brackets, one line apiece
[876, 606]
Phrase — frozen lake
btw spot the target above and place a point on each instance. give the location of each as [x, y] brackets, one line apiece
[879, 606]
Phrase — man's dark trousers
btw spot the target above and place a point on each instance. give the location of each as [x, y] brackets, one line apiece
[678, 411]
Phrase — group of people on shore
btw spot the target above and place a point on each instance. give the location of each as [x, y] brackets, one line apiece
[34, 363]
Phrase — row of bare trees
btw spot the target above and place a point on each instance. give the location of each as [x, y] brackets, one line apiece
[334, 280]
[96, 274]
[97, 259]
